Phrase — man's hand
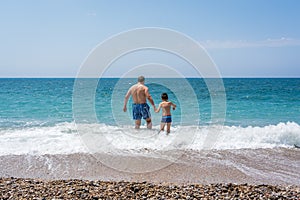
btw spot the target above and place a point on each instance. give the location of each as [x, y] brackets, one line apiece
[124, 108]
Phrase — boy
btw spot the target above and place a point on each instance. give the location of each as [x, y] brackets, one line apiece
[166, 112]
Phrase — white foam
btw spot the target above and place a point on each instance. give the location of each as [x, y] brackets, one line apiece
[68, 138]
[59, 139]
[280, 135]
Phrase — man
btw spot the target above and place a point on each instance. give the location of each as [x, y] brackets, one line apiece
[140, 108]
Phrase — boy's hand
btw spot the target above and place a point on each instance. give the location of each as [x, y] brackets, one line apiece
[124, 108]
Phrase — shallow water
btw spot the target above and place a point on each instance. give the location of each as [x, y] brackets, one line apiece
[279, 166]
[43, 135]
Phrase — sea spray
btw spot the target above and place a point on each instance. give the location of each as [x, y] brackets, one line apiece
[64, 138]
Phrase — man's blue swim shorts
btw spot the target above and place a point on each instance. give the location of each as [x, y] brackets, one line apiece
[140, 111]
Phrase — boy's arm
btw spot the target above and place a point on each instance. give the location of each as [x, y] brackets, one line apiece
[174, 105]
[158, 109]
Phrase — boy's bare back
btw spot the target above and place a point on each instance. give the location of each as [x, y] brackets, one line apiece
[166, 107]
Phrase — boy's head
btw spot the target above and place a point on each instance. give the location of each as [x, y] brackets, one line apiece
[164, 96]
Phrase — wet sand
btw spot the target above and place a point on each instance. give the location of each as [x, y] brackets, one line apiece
[261, 166]
[247, 174]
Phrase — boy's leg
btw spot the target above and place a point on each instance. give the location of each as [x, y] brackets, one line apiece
[168, 127]
[162, 126]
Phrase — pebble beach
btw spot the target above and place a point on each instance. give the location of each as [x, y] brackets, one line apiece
[18, 188]
[195, 176]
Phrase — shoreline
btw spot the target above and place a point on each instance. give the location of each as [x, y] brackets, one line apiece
[18, 188]
[261, 166]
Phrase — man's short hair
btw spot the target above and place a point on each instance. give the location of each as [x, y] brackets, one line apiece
[141, 79]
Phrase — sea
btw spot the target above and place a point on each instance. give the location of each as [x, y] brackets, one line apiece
[51, 127]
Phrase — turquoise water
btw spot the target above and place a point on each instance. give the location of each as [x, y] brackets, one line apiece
[35, 102]
[58, 126]
[249, 102]
[41, 116]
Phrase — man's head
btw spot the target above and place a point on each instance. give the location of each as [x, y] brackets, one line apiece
[141, 79]
[164, 96]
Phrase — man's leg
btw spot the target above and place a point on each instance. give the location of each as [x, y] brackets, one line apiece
[137, 123]
[149, 123]
[147, 116]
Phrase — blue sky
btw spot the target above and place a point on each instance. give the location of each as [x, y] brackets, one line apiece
[245, 38]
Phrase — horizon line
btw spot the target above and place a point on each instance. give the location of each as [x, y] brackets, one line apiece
[71, 77]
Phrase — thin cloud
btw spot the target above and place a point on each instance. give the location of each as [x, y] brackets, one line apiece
[93, 14]
[282, 42]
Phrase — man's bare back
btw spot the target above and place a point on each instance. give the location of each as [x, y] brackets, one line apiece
[139, 93]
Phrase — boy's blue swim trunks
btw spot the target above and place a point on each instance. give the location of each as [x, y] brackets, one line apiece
[140, 111]
[166, 119]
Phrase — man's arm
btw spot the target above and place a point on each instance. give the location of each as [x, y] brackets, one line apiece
[149, 97]
[126, 100]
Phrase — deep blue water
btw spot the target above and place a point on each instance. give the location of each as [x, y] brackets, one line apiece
[249, 101]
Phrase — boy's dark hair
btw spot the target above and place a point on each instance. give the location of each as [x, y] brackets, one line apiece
[164, 96]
